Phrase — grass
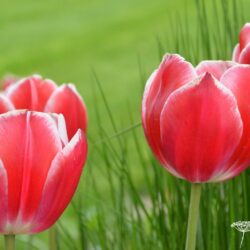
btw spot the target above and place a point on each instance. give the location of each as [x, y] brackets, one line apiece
[108, 48]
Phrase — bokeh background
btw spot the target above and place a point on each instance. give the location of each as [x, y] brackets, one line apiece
[108, 48]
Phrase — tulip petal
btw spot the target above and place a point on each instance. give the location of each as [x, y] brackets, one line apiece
[200, 129]
[5, 104]
[237, 79]
[244, 36]
[215, 68]
[236, 53]
[245, 55]
[173, 73]
[61, 126]
[59, 188]
[30, 93]
[3, 197]
[26, 154]
[67, 101]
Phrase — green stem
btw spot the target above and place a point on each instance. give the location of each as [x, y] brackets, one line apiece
[30, 242]
[9, 240]
[193, 216]
[52, 238]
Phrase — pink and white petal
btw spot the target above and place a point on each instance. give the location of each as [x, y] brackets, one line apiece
[61, 127]
[61, 182]
[237, 79]
[46, 88]
[200, 129]
[173, 73]
[215, 68]
[30, 93]
[29, 142]
[236, 53]
[67, 101]
[244, 36]
[229, 174]
[3, 198]
[245, 55]
[5, 104]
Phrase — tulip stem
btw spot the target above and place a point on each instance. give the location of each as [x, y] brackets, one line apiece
[9, 240]
[193, 216]
[53, 238]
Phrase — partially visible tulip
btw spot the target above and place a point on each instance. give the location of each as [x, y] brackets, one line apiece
[37, 94]
[241, 51]
[197, 123]
[8, 80]
[39, 170]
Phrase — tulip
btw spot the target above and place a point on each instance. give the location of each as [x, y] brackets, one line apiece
[241, 52]
[8, 80]
[37, 94]
[39, 170]
[197, 123]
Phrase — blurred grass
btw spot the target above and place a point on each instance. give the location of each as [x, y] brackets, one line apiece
[108, 49]
[63, 40]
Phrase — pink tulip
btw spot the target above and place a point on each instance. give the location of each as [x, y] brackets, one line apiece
[8, 80]
[37, 94]
[241, 51]
[196, 120]
[39, 170]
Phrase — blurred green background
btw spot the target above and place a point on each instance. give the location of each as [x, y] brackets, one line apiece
[108, 49]
[65, 40]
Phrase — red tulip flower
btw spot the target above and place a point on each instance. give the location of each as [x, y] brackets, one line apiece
[196, 120]
[37, 94]
[197, 123]
[241, 51]
[39, 170]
